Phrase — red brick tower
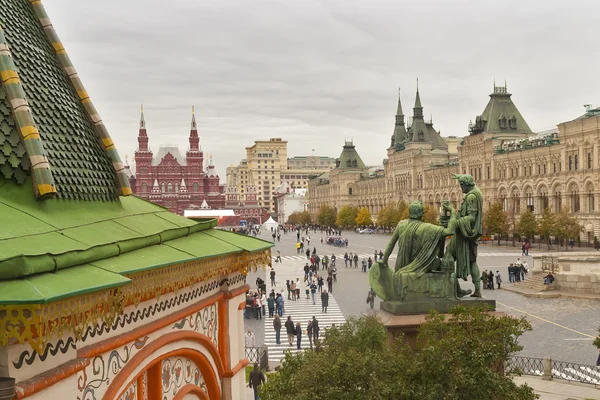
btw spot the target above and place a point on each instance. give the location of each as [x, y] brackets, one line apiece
[143, 161]
[195, 162]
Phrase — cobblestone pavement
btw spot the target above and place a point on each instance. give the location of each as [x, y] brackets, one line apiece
[562, 328]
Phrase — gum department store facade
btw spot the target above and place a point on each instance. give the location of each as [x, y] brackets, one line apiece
[510, 163]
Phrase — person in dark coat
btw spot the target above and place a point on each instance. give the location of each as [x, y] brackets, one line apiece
[271, 304]
[324, 301]
[309, 332]
[290, 328]
[315, 329]
[277, 327]
[330, 284]
[320, 283]
[491, 279]
[257, 378]
[298, 336]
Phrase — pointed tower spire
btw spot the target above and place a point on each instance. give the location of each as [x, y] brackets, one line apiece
[142, 120]
[399, 129]
[193, 127]
[194, 139]
[142, 135]
[418, 101]
[399, 109]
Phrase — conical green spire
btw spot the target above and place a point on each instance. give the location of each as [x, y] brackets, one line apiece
[418, 101]
[399, 110]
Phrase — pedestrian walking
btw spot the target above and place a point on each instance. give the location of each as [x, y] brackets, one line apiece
[498, 278]
[272, 275]
[256, 379]
[324, 301]
[330, 284]
[334, 274]
[257, 306]
[313, 290]
[491, 280]
[355, 260]
[371, 298]
[298, 336]
[279, 304]
[263, 303]
[315, 329]
[293, 290]
[484, 279]
[277, 327]
[309, 333]
[249, 338]
[364, 265]
[290, 329]
[271, 304]
[346, 260]
[320, 283]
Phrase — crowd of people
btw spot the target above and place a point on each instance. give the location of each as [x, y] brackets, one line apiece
[517, 271]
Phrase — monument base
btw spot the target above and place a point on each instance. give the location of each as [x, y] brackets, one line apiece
[408, 325]
[426, 305]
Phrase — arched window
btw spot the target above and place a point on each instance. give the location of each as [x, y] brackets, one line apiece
[570, 162]
[195, 187]
[170, 187]
[591, 205]
[144, 187]
[576, 162]
[162, 187]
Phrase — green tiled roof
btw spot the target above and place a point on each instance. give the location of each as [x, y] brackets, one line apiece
[79, 164]
[14, 163]
[500, 107]
[61, 248]
[349, 159]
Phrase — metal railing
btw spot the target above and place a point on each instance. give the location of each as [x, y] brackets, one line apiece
[550, 369]
[258, 355]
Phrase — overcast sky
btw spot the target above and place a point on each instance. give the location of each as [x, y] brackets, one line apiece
[317, 72]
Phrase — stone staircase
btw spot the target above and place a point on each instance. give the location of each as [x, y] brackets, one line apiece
[535, 282]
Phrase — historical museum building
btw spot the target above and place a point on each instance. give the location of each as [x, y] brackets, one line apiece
[510, 163]
[267, 166]
[103, 295]
[173, 181]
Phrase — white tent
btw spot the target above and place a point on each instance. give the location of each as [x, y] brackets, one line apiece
[270, 223]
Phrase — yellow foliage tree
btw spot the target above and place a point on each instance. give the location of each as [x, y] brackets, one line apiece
[364, 217]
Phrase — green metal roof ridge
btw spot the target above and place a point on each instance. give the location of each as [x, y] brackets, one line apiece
[50, 287]
[219, 234]
[25, 265]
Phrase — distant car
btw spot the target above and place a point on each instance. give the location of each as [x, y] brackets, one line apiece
[366, 231]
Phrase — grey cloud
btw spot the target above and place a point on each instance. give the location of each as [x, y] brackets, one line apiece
[317, 72]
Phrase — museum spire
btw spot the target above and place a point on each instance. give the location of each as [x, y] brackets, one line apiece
[194, 139]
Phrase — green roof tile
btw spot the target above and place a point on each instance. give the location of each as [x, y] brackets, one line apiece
[56, 109]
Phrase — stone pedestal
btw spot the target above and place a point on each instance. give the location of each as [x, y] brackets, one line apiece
[428, 304]
[409, 322]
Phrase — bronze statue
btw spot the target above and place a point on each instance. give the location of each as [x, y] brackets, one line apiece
[425, 276]
[418, 255]
[469, 228]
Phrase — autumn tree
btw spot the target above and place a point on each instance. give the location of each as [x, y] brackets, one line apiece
[496, 221]
[305, 218]
[356, 360]
[347, 216]
[363, 218]
[547, 225]
[527, 224]
[567, 227]
[430, 215]
[295, 218]
[383, 217]
[326, 215]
